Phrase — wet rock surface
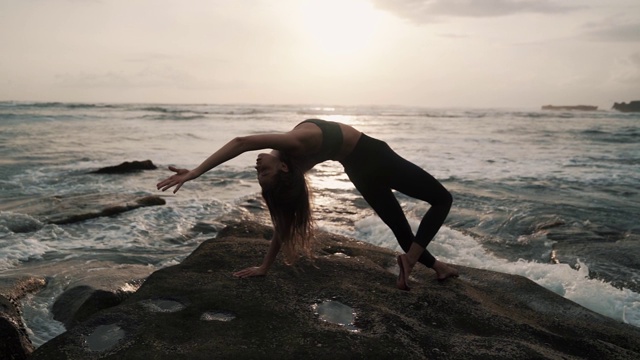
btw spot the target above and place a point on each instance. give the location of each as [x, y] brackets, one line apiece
[481, 315]
[96, 286]
[80, 302]
[14, 340]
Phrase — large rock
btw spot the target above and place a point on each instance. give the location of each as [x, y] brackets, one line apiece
[14, 340]
[73, 208]
[198, 310]
[90, 287]
[100, 289]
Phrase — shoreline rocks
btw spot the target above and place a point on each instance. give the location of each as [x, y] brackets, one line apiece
[74, 208]
[79, 302]
[14, 341]
[197, 309]
[30, 213]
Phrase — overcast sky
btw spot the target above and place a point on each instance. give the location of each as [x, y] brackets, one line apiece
[431, 53]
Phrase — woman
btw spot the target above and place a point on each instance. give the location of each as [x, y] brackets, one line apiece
[373, 167]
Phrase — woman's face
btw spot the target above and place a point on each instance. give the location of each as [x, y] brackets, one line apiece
[268, 166]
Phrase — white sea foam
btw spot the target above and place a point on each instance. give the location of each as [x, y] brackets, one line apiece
[19, 250]
[39, 319]
[454, 247]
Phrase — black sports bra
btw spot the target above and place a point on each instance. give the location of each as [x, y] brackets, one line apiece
[332, 139]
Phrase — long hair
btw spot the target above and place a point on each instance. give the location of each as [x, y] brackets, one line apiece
[289, 203]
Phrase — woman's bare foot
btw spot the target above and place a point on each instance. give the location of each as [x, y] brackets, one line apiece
[405, 270]
[444, 271]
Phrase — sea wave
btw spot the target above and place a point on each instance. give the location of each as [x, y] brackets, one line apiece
[21, 250]
[18, 223]
[53, 105]
[527, 179]
[198, 111]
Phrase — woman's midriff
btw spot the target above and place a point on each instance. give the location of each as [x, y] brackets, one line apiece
[350, 139]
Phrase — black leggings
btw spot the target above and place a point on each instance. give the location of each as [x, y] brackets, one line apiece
[375, 169]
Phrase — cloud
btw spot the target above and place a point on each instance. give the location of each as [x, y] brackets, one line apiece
[627, 70]
[149, 57]
[616, 29]
[107, 79]
[427, 11]
[453, 36]
[149, 76]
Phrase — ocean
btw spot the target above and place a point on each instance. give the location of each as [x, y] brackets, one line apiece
[550, 195]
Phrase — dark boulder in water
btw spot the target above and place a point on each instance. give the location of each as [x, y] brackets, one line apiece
[127, 167]
[14, 340]
[95, 286]
[197, 309]
[80, 302]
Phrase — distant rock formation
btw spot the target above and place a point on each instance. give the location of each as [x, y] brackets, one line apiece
[127, 167]
[198, 310]
[632, 106]
[570, 107]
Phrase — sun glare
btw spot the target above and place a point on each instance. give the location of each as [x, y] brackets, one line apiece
[339, 27]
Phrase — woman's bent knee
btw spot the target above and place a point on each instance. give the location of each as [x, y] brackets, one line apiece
[444, 200]
[448, 199]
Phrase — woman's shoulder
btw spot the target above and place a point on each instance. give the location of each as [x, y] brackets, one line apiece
[308, 137]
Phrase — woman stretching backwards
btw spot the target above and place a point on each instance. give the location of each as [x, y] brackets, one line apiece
[373, 167]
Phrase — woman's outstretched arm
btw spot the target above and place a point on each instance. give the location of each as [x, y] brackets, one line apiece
[262, 270]
[285, 142]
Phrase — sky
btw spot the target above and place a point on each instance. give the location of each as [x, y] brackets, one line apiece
[428, 53]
